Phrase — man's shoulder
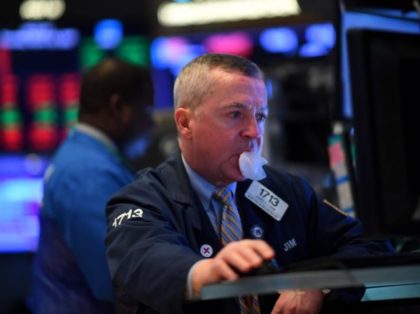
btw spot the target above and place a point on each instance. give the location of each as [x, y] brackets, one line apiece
[158, 189]
[163, 179]
[78, 152]
[165, 171]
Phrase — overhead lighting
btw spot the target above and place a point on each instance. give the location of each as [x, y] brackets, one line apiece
[323, 34]
[281, 40]
[210, 11]
[236, 43]
[42, 9]
[109, 33]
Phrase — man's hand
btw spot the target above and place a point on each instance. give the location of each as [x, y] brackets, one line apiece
[299, 302]
[238, 256]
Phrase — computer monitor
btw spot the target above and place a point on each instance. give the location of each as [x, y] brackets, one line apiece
[20, 199]
[357, 14]
[384, 67]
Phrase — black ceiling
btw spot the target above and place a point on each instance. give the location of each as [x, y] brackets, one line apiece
[141, 14]
[404, 5]
[83, 13]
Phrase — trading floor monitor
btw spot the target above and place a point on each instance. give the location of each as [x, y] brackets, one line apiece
[384, 71]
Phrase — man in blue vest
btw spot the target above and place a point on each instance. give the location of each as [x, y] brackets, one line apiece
[212, 211]
[71, 273]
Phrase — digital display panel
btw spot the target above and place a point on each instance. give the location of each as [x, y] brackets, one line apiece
[20, 199]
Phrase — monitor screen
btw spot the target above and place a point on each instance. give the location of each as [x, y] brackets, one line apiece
[20, 199]
[40, 71]
[356, 18]
[383, 68]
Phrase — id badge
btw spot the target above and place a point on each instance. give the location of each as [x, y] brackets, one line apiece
[267, 200]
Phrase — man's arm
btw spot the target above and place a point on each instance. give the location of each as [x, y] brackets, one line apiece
[333, 233]
[148, 259]
[328, 232]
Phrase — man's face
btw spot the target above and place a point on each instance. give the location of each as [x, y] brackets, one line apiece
[228, 122]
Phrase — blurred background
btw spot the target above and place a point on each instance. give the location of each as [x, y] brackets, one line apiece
[45, 45]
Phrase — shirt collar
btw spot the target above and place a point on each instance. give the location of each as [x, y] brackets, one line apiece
[97, 134]
[202, 187]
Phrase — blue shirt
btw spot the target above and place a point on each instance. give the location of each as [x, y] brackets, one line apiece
[205, 190]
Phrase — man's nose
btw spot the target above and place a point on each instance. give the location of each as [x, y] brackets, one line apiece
[253, 129]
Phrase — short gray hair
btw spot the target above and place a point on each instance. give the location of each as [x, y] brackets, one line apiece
[194, 81]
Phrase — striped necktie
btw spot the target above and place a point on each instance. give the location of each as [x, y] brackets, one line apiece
[231, 230]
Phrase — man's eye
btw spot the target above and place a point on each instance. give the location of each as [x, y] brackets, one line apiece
[261, 117]
[235, 114]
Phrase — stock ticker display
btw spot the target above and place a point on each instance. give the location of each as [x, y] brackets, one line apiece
[36, 113]
[40, 69]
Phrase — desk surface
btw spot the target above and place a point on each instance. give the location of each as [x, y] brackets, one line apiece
[368, 277]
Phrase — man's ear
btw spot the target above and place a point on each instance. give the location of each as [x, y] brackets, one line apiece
[114, 104]
[183, 122]
[118, 109]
